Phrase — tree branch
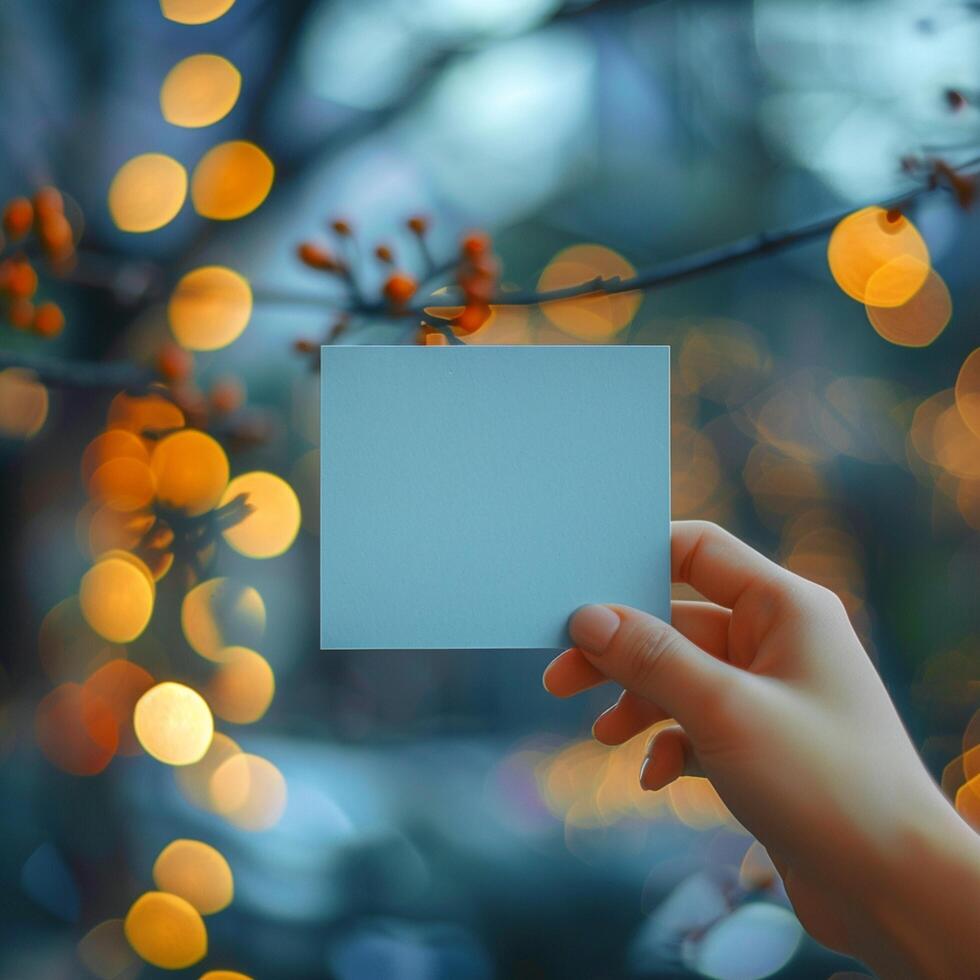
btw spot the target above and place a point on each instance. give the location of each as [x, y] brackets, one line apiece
[79, 374]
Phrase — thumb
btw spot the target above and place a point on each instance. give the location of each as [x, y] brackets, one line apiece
[652, 659]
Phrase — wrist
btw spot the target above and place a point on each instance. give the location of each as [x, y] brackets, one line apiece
[924, 896]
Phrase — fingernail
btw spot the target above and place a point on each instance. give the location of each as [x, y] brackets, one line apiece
[592, 627]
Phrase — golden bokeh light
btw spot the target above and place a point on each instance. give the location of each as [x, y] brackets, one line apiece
[209, 308]
[249, 792]
[695, 470]
[590, 318]
[274, 521]
[173, 724]
[231, 180]
[919, 320]
[200, 90]
[151, 413]
[147, 192]
[194, 781]
[967, 391]
[242, 687]
[221, 613]
[191, 471]
[956, 447]
[878, 257]
[122, 484]
[23, 404]
[116, 599]
[107, 530]
[968, 802]
[105, 952]
[166, 930]
[118, 685]
[197, 873]
[114, 444]
[224, 975]
[76, 731]
[195, 11]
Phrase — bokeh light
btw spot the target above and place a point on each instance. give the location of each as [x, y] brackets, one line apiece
[122, 484]
[114, 444]
[878, 257]
[116, 599]
[197, 873]
[117, 686]
[147, 192]
[591, 318]
[153, 413]
[222, 613]
[231, 180]
[23, 403]
[105, 952]
[920, 319]
[274, 521]
[209, 308]
[75, 730]
[242, 687]
[173, 723]
[194, 11]
[249, 792]
[224, 975]
[191, 471]
[166, 930]
[194, 780]
[967, 391]
[200, 90]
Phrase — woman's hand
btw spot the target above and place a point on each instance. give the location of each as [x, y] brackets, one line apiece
[775, 701]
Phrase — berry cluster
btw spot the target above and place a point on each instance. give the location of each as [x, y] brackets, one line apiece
[32, 226]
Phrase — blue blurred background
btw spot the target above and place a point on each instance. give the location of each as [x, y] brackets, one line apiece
[446, 818]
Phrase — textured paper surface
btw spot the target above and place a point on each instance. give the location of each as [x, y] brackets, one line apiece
[474, 497]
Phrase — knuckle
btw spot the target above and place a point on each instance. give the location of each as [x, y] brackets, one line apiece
[825, 600]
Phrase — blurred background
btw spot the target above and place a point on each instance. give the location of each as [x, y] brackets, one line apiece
[201, 192]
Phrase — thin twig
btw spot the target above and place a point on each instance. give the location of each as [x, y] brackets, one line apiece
[79, 374]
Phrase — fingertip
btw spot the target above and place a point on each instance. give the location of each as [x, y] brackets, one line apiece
[569, 674]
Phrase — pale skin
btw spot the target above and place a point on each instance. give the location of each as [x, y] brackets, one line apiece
[767, 691]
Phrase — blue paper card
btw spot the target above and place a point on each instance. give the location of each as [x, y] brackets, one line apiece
[474, 497]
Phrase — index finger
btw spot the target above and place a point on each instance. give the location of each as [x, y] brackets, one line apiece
[716, 563]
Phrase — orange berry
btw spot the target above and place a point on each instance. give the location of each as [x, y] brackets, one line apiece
[316, 257]
[49, 321]
[56, 235]
[418, 224]
[384, 254]
[174, 363]
[475, 244]
[436, 339]
[471, 319]
[21, 279]
[399, 288]
[18, 216]
[341, 227]
[227, 395]
[48, 201]
[20, 313]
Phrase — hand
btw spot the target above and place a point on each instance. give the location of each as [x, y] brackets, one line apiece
[775, 701]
